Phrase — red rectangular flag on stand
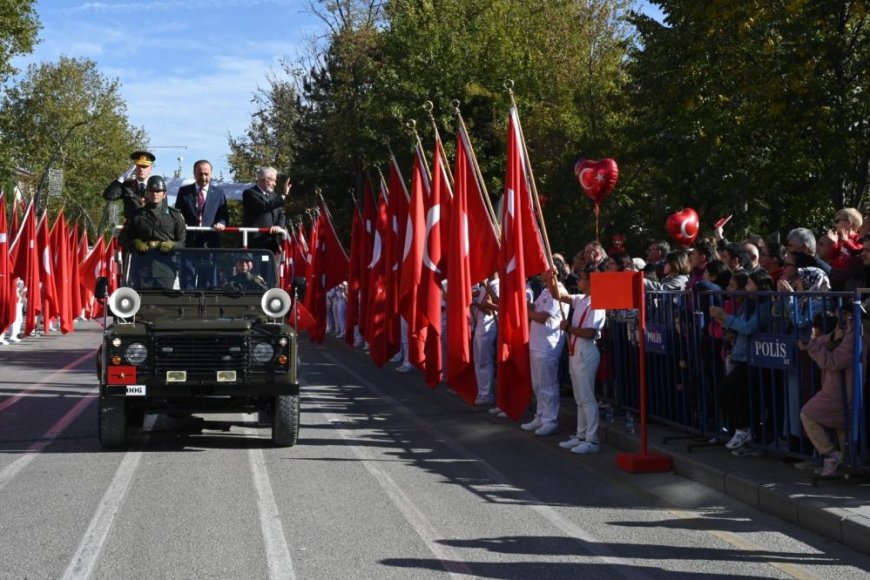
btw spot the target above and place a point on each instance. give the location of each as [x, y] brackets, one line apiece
[328, 269]
[521, 256]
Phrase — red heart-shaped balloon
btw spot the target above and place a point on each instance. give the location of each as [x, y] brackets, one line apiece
[597, 178]
[683, 226]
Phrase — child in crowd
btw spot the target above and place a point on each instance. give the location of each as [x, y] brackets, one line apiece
[834, 353]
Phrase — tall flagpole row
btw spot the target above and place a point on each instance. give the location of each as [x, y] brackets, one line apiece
[412, 127]
[509, 87]
[478, 174]
[428, 106]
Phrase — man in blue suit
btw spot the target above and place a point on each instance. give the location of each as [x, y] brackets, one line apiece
[203, 204]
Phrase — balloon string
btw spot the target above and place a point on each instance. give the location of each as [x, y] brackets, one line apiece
[597, 211]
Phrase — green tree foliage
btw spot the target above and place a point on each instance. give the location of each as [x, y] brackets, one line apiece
[753, 107]
[566, 58]
[41, 110]
[270, 137]
[19, 25]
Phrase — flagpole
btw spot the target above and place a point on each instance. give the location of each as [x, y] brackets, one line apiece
[478, 174]
[428, 106]
[509, 86]
[412, 126]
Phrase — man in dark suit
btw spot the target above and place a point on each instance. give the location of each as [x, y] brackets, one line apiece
[130, 187]
[203, 204]
[264, 208]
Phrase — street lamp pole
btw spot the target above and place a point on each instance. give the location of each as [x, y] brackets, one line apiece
[52, 159]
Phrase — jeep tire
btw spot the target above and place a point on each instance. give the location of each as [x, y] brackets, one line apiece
[285, 421]
[112, 422]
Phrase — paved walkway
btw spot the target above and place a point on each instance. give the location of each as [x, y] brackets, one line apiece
[835, 508]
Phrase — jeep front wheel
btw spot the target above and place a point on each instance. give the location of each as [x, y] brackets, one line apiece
[112, 422]
[285, 421]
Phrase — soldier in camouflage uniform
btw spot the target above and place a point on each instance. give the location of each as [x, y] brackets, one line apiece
[155, 227]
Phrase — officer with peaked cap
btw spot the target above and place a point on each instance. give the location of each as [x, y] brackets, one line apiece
[130, 187]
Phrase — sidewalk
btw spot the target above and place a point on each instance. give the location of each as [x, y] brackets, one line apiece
[836, 508]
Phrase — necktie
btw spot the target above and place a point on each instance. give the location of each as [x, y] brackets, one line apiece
[141, 189]
[200, 203]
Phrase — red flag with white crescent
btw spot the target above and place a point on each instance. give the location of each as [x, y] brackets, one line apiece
[521, 256]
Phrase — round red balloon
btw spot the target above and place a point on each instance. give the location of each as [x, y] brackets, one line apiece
[597, 178]
[683, 226]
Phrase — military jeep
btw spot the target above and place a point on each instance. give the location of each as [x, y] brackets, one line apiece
[191, 333]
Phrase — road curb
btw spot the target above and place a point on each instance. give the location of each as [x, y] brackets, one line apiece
[789, 501]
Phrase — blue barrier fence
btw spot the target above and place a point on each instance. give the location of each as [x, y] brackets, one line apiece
[688, 356]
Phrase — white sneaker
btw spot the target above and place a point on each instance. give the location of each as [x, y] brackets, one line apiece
[14, 339]
[3, 340]
[741, 437]
[404, 368]
[532, 425]
[546, 430]
[483, 401]
[586, 448]
[571, 442]
[501, 414]
[397, 358]
[495, 411]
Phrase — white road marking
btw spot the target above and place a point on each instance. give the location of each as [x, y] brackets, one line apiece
[599, 551]
[14, 399]
[30, 454]
[277, 551]
[88, 552]
[450, 560]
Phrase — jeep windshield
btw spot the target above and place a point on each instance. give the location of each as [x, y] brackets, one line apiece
[201, 269]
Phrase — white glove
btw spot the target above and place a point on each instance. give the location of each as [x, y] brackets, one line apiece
[127, 173]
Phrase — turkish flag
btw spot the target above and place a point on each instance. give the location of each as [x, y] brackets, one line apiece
[62, 275]
[483, 240]
[521, 256]
[460, 368]
[329, 266]
[353, 279]
[393, 251]
[46, 272]
[368, 237]
[429, 294]
[376, 323]
[26, 266]
[7, 289]
[76, 302]
[91, 267]
[87, 292]
[412, 260]
[298, 311]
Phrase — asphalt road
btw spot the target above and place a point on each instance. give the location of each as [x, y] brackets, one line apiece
[389, 480]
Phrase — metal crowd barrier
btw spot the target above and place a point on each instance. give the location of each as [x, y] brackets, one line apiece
[687, 358]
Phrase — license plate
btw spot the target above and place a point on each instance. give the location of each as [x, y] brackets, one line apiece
[135, 390]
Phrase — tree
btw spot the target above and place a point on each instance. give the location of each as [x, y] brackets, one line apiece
[19, 24]
[40, 111]
[756, 106]
[270, 139]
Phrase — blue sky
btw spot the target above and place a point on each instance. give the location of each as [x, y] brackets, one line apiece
[188, 68]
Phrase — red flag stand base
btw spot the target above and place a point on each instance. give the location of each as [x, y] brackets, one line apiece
[644, 462]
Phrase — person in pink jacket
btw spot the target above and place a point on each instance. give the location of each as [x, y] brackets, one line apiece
[834, 354]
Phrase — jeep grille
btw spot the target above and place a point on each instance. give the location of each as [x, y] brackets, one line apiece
[200, 356]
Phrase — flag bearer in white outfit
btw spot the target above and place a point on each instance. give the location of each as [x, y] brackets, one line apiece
[483, 340]
[546, 341]
[582, 330]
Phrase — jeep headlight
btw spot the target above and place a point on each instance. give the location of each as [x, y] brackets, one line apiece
[263, 352]
[136, 353]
